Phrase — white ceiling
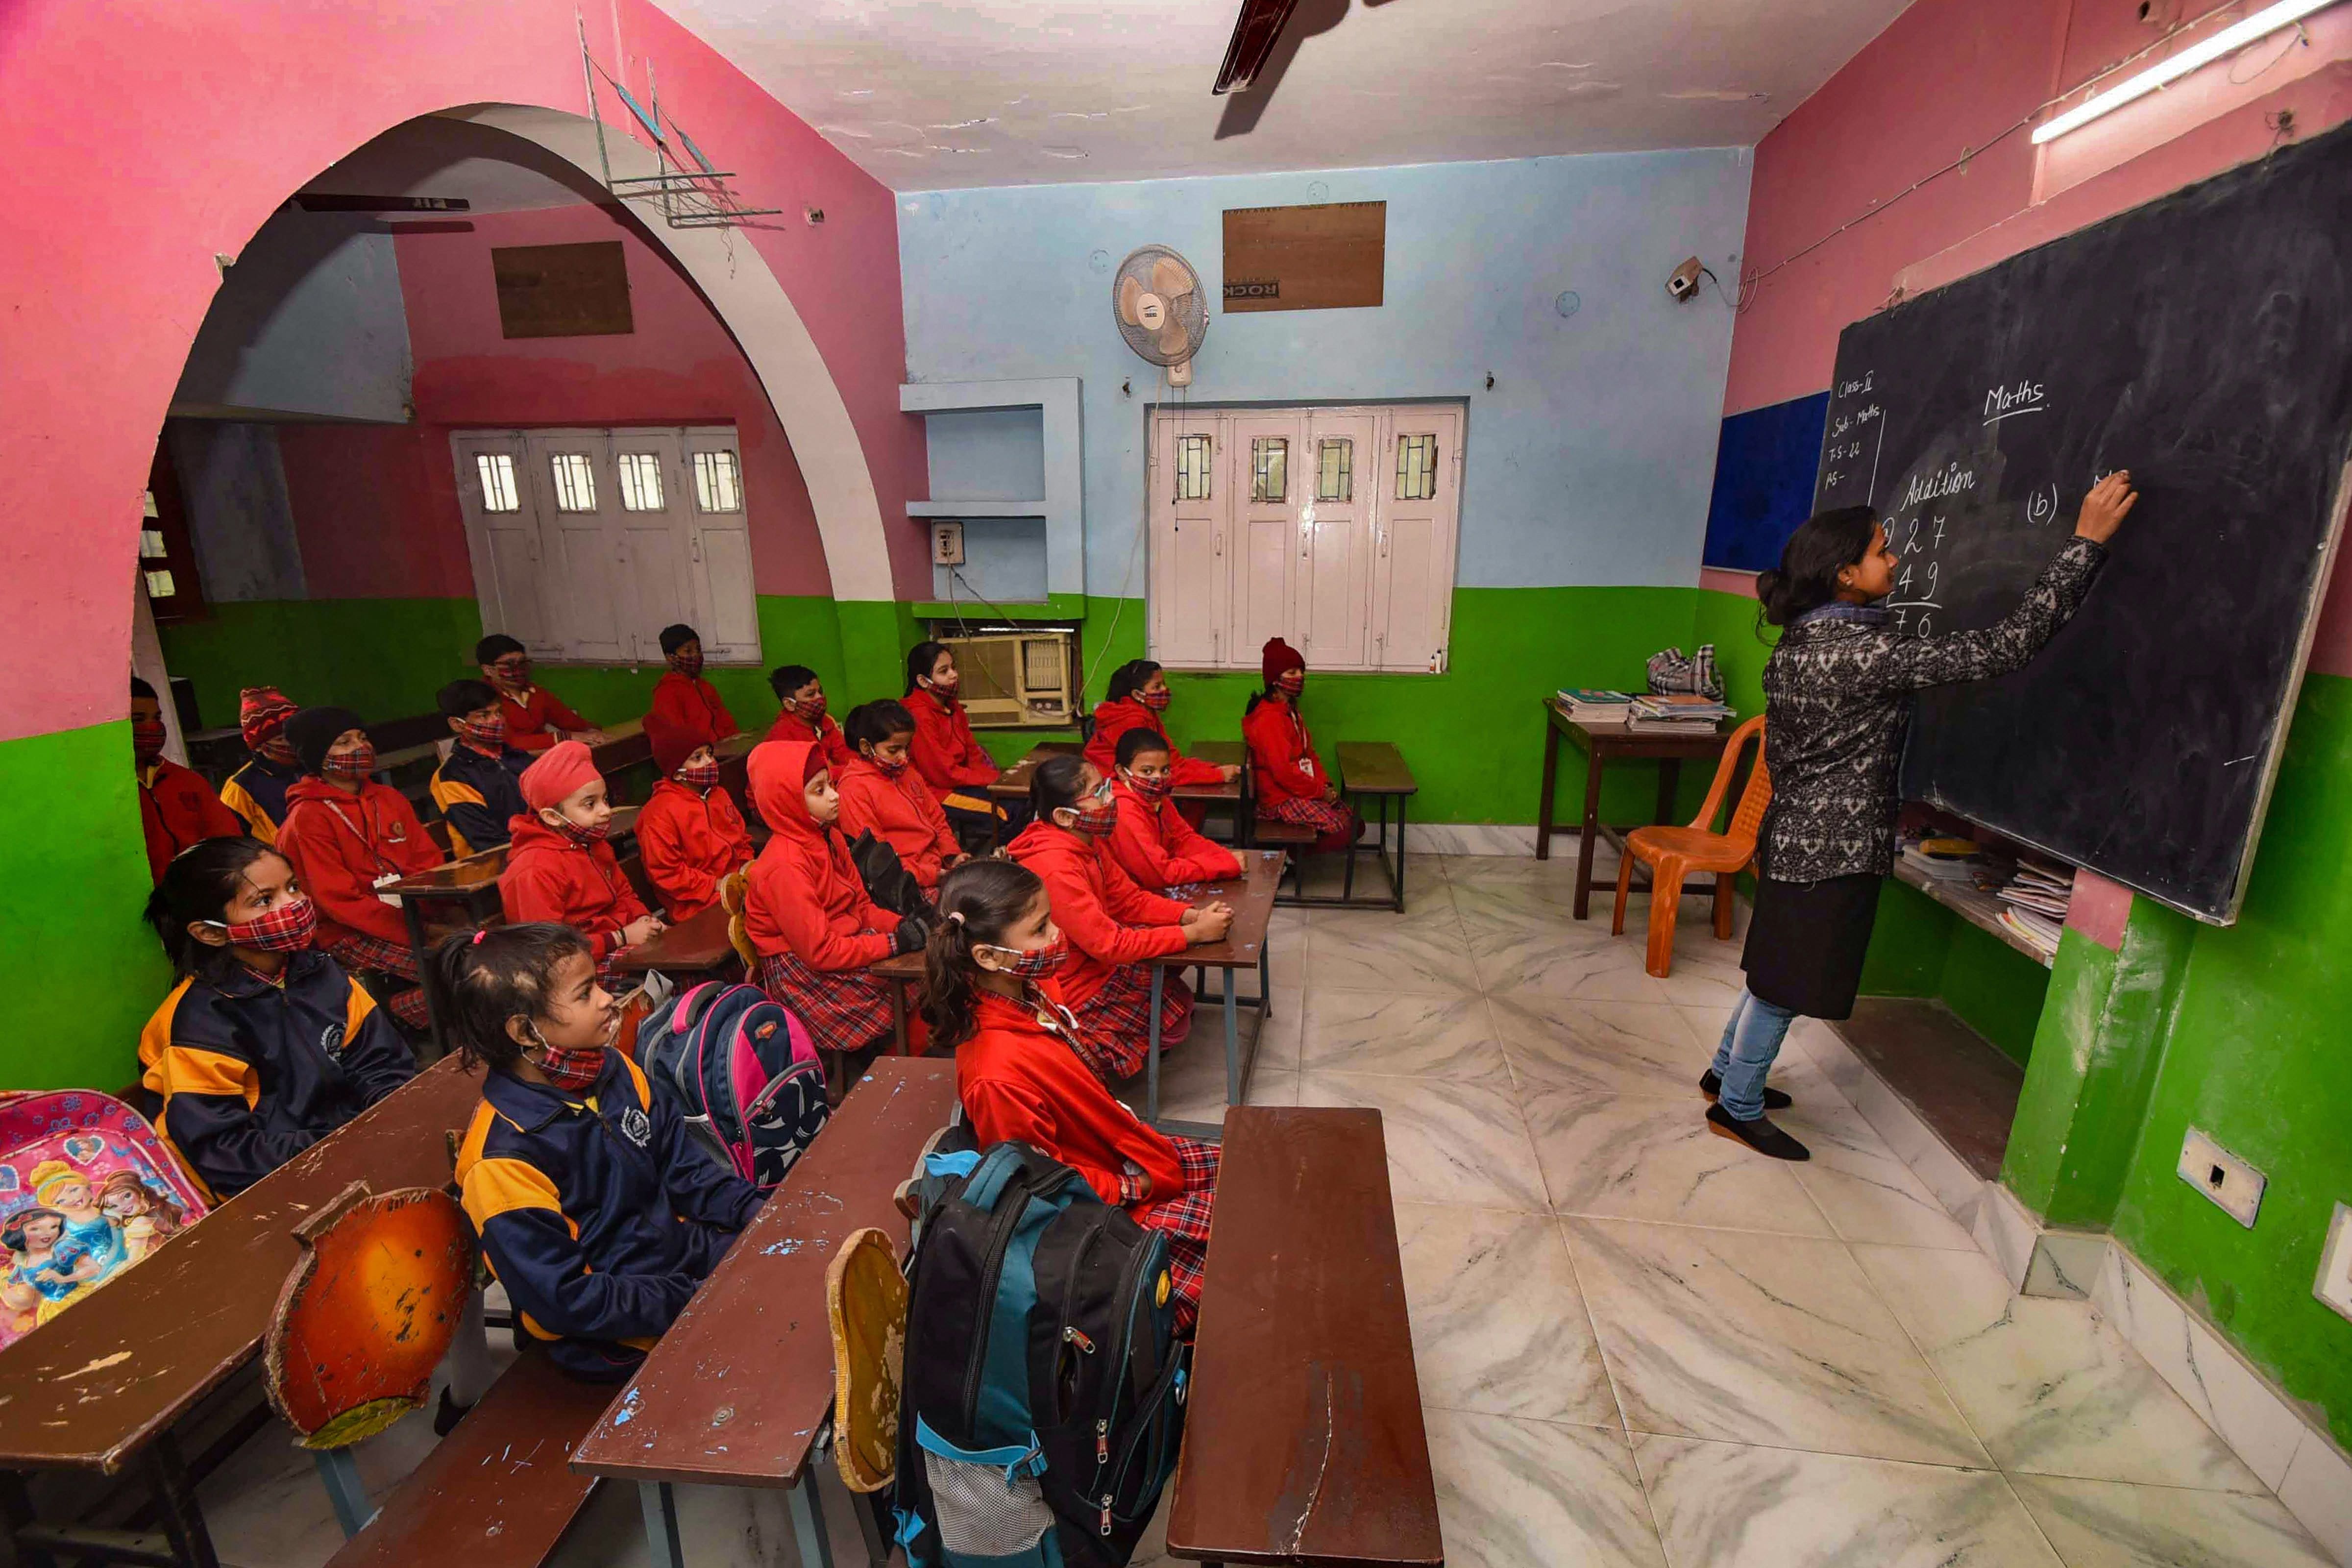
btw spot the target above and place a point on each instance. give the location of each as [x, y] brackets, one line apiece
[932, 94]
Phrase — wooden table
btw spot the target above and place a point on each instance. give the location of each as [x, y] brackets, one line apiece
[902, 972]
[738, 1391]
[1601, 741]
[1376, 768]
[1252, 897]
[695, 949]
[1304, 1440]
[100, 1388]
[1012, 784]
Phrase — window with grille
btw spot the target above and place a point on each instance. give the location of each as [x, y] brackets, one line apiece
[576, 481]
[1269, 469]
[1416, 468]
[1333, 459]
[716, 486]
[496, 473]
[167, 559]
[641, 480]
[1193, 463]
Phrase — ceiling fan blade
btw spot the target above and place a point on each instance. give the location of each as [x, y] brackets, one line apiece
[1173, 339]
[1130, 295]
[1255, 32]
[1170, 279]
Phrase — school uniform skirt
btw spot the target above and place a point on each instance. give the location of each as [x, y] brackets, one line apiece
[1806, 942]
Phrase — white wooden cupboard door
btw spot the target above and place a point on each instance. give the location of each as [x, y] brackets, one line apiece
[573, 473]
[718, 557]
[1334, 516]
[502, 536]
[649, 515]
[1413, 565]
[1266, 568]
[1191, 495]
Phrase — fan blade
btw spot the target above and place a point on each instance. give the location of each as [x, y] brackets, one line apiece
[1255, 32]
[1170, 279]
[1173, 339]
[1130, 295]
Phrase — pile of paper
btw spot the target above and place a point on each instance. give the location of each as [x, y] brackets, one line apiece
[2036, 900]
[1595, 704]
[1946, 859]
[1676, 711]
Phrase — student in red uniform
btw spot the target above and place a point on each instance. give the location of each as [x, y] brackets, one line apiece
[946, 752]
[479, 784]
[1292, 784]
[807, 912]
[990, 991]
[256, 791]
[1152, 841]
[1113, 924]
[536, 716]
[681, 693]
[690, 833]
[348, 836]
[1137, 699]
[881, 792]
[559, 867]
[265, 1045]
[802, 716]
[176, 808]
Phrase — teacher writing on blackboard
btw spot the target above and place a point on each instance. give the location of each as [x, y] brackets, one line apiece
[1837, 700]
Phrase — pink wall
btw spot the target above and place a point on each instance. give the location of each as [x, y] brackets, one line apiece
[212, 111]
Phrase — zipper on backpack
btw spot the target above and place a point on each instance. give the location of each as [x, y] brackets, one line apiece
[1129, 1279]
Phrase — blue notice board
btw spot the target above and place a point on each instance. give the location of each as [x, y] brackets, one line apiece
[1764, 468]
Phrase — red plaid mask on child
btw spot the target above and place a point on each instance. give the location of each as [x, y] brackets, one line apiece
[700, 777]
[1093, 816]
[286, 929]
[1152, 790]
[1038, 963]
[572, 1070]
[1156, 701]
[491, 737]
[354, 765]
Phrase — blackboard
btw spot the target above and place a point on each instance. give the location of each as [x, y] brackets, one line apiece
[2203, 342]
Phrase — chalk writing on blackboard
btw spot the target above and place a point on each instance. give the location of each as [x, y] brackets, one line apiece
[2007, 402]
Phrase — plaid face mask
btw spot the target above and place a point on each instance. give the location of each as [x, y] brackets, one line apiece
[1038, 963]
[1156, 701]
[491, 737]
[567, 1070]
[1153, 790]
[698, 776]
[286, 929]
[357, 765]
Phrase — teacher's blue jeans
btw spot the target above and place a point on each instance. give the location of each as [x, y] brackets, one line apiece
[1751, 1042]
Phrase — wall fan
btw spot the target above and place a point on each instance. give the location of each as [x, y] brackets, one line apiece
[1156, 300]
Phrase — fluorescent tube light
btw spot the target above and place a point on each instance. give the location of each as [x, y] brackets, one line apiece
[2261, 24]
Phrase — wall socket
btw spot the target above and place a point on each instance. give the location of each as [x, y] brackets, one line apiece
[946, 545]
[2334, 1285]
[2230, 1182]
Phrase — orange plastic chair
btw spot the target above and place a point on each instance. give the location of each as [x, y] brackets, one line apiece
[1674, 853]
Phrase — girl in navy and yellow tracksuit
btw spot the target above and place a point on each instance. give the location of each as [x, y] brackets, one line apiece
[596, 1210]
[265, 1045]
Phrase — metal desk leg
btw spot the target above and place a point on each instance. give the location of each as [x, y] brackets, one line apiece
[338, 1471]
[1233, 1042]
[175, 1504]
[808, 1521]
[418, 949]
[1544, 800]
[470, 1370]
[660, 1506]
[870, 1525]
[1152, 1052]
[1347, 881]
[1264, 990]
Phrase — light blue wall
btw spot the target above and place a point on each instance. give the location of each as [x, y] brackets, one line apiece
[1589, 463]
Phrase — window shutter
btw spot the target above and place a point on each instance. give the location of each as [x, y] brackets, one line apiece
[1190, 504]
[719, 554]
[1413, 575]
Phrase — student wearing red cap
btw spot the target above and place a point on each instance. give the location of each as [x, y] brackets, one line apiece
[681, 695]
[1292, 784]
[882, 793]
[559, 867]
[176, 808]
[690, 833]
[807, 912]
[257, 791]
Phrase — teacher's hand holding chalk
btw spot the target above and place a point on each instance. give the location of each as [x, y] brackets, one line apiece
[2104, 508]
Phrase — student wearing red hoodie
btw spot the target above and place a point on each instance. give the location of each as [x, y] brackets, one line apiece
[1113, 924]
[346, 837]
[806, 911]
[690, 833]
[881, 794]
[536, 716]
[177, 809]
[946, 752]
[560, 869]
[1292, 784]
[1152, 841]
[802, 715]
[681, 695]
[1138, 698]
[989, 992]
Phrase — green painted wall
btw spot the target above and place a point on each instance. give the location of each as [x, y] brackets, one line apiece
[84, 972]
[382, 659]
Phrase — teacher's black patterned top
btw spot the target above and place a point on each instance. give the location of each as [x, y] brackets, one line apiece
[1837, 700]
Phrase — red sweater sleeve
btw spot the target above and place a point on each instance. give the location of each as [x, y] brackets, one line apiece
[664, 845]
[1004, 1113]
[1137, 844]
[1133, 906]
[1274, 750]
[1192, 773]
[557, 713]
[1095, 929]
[1200, 858]
[784, 890]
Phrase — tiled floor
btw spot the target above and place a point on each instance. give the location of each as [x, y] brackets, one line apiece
[1637, 1343]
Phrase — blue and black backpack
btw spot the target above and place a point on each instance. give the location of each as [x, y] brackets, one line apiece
[1043, 1393]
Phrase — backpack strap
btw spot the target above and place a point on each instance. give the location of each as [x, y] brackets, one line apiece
[997, 1168]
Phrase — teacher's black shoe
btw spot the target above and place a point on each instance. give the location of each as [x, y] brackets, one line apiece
[1759, 1135]
[1711, 1085]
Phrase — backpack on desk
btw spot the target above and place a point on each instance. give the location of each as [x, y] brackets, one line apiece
[1043, 1384]
[743, 1072]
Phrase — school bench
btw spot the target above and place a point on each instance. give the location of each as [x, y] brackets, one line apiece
[99, 1389]
[1303, 1440]
[740, 1392]
[1369, 770]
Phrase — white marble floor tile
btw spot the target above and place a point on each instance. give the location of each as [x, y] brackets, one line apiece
[1776, 1339]
[1705, 973]
[1532, 908]
[1861, 1183]
[1448, 1142]
[1498, 1323]
[2049, 1385]
[1402, 1033]
[1532, 1494]
[2109, 1524]
[1538, 970]
[1601, 1048]
[1424, 954]
[1641, 1157]
[1719, 1504]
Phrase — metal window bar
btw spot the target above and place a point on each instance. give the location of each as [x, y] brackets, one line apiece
[641, 481]
[1334, 477]
[718, 485]
[497, 472]
[576, 481]
[1192, 467]
[1270, 468]
[693, 196]
[1416, 475]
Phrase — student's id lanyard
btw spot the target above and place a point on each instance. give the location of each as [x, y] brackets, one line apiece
[390, 873]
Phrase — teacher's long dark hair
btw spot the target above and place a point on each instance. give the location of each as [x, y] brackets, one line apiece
[1807, 577]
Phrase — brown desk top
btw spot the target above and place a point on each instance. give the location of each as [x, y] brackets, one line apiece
[90, 1388]
[899, 966]
[1374, 767]
[1252, 897]
[1013, 784]
[1622, 740]
[734, 1393]
[623, 751]
[1304, 1440]
[693, 946]
[460, 879]
[1014, 781]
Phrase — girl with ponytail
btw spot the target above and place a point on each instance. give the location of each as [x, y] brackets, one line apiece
[1837, 702]
[992, 991]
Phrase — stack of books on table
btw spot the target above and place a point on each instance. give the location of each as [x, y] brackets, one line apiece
[2036, 900]
[1595, 704]
[1946, 859]
[1676, 711]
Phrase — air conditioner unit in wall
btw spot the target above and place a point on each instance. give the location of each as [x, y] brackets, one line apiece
[1018, 678]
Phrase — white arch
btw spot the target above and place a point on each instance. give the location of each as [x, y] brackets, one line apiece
[735, 279]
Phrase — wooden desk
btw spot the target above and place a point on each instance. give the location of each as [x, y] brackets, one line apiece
[1304, 1440]
[1012, 784]
[1602, 742]
[761, 1316]
[100, 1386]
[1252, 897]
[903, 972]
[1377, 769]
[690, 951]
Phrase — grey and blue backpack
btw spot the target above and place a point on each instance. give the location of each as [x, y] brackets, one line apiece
[1043, 1393]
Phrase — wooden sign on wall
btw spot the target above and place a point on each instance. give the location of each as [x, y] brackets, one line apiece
[562, 290]
[1327, 257]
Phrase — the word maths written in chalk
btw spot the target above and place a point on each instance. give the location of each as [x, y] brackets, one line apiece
[1948, 480]
[2002, 401]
